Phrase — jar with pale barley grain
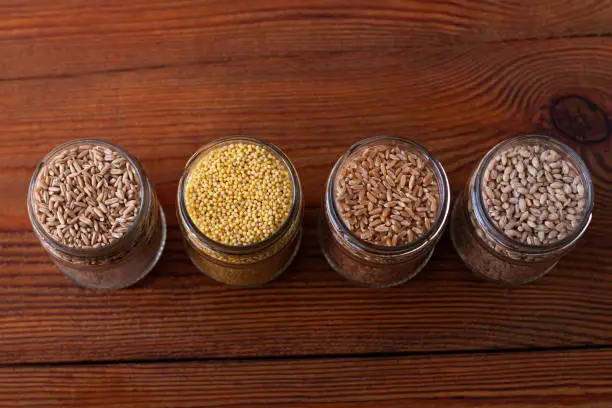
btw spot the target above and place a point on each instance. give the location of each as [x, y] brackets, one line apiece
[386, 205]
[526, 205]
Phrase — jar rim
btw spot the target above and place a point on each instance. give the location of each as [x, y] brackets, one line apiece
[89, 252]
[239, 249]
[431, 235]
[484, 219]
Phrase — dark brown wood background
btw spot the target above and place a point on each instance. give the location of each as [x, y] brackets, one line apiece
[163, 77]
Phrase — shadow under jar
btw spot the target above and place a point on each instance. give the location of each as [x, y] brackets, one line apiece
[415, 187]
[235, 264]
[544, 201]
[83, 209]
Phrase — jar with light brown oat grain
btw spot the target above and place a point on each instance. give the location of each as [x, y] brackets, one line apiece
[386, 205]
[96, 214]
[240, 210]
[526, 205]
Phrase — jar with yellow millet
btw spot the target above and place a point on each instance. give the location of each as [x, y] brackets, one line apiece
[240, 210]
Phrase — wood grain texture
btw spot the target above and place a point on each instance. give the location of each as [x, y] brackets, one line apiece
[225, 68]
[56, 37]
[458, 101]
[514, 380]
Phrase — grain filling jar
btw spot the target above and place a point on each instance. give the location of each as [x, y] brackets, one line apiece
[230, 199]
[96, 214]
[526, 205]
[386, 205]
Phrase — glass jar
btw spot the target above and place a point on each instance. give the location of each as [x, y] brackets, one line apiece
[486, 250]
[124, 261]
[375, 265]
[248, 265]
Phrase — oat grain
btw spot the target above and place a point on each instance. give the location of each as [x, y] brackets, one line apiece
[75, 188]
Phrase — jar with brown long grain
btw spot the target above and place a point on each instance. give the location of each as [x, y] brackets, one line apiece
[386, 205]
[96, 214]
[526, 205]
[240, 211]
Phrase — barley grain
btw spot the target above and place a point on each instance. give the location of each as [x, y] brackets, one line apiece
[533, 177]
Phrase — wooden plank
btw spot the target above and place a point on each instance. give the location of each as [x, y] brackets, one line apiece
[59, 37]
[509, 380]
[457, 101]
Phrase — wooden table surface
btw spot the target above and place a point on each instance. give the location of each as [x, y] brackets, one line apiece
[162, 77]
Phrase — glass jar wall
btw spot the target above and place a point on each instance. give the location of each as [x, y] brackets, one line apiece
[102, 265]
[482, 244]
[389, 262]
[255, 263]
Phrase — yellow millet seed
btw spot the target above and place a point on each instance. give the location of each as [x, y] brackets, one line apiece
[239, 194]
